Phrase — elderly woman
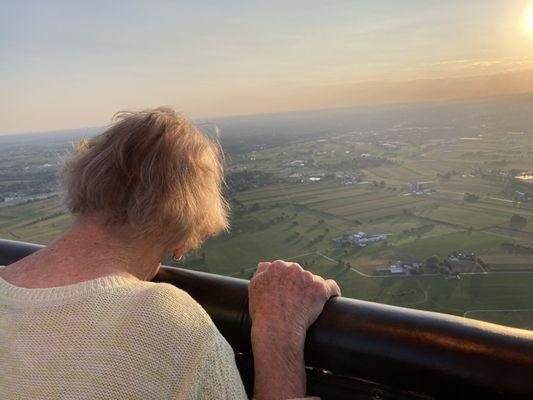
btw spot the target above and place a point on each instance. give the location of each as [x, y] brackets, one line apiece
[81, 319]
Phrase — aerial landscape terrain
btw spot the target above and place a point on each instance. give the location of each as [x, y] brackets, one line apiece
[423, 205]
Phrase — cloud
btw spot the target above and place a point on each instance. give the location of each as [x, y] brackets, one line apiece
[468, 67]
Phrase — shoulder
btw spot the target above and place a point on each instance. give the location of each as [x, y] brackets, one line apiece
[161, 296]
[176, 327]
[171, 314]
[170, 305]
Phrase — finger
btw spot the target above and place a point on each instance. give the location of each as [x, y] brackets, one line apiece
[307, 277]
[261, 267]
[278, 267]
[294, 267]
[333, 288]
[279, 264]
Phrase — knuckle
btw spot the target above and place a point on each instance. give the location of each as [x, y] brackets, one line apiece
[262, 266]
[319, 289]
[294, 268]
[278, 264]
[274, 268]
[331, 282]
[307, 276]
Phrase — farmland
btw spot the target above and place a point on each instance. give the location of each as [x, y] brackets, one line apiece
[450, 205]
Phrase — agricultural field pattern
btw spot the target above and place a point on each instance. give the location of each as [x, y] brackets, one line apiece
[435, 216]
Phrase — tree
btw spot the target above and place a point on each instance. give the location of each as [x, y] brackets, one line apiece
[470, 197]
[517, 219]
[432, 261]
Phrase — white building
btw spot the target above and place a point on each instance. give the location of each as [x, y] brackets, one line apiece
[396, 269]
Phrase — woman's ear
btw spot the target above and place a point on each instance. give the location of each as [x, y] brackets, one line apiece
[177, 252]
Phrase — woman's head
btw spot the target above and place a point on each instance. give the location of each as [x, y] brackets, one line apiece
[153, 173]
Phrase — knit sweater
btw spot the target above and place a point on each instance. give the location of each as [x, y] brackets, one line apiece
[111, 338]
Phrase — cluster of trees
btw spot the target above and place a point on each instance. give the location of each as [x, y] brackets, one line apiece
[470, 197]
[447, 175]
[407, 211]
[244, 180]
[279, 218]
[404, 293]
[444, 266]
[362, 163]
[317, 239]
[308, 263]
[392, 188]
[380, 184]
[418, 231]
[343, 264]
[517, 219]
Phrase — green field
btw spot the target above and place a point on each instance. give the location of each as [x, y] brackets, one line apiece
[297, 221]
[38, 221]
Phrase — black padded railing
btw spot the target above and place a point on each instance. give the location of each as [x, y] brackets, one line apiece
[358, 349]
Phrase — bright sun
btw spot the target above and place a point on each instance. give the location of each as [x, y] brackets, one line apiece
[527, 20]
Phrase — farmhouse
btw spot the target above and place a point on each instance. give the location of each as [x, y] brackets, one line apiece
[420, 188]
[396, 269]
[523, 196]
[295, 178]
[400, 268]
[360, 238]
[459, 256]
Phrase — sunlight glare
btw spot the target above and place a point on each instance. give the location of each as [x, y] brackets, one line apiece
[527, 20]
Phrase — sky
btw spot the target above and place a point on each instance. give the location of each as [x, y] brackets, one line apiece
[69, 64]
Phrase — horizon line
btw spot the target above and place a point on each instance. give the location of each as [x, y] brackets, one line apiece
[228, 116]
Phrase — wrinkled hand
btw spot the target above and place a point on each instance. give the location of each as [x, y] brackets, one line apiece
[285, 300]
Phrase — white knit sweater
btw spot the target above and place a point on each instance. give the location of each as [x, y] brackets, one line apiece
[111, 338]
